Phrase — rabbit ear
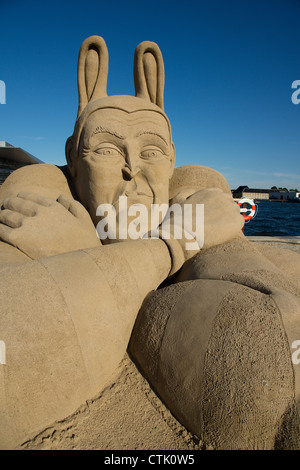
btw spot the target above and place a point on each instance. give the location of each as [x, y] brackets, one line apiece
[149, 75]
[92, 71]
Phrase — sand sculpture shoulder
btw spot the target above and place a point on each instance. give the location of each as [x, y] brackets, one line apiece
[45, 179]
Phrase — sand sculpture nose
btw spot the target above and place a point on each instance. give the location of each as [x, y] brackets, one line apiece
[130, 170]
[127, 173]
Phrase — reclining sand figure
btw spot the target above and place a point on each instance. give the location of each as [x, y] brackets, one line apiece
[211, 330]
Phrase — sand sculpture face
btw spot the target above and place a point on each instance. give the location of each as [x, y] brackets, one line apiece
[122, 145]
[124, 153]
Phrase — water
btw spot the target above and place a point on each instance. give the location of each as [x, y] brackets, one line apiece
[274, 219]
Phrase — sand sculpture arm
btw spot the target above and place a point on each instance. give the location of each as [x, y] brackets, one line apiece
[66, 321]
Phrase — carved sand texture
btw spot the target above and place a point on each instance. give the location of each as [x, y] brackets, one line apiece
[248, 385]
[127, 415]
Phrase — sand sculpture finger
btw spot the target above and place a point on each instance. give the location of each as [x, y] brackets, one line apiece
[37, 198]
[11, 218]
[74, 207]
[20, 205]
[7, 234]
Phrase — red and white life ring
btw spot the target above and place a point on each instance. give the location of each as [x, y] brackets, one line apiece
[244, 209]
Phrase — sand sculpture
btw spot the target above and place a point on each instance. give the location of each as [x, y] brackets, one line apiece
[211, 329]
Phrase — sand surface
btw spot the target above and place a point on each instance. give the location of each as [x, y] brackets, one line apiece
[127, 414]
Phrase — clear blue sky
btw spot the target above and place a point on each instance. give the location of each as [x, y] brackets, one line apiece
[229, 69]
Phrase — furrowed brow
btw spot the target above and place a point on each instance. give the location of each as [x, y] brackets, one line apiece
[105, 130]
[143, 132]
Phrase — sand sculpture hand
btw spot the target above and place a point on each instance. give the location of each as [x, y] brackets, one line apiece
[199, 220]
[222, 218]
[40, 226]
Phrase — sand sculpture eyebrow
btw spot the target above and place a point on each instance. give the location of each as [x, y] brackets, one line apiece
[105, 130]
[143, 132]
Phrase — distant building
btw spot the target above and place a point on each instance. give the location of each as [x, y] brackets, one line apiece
[282, 195]
[256, 193]
[238, 192]
[12, 158]
[265, 194]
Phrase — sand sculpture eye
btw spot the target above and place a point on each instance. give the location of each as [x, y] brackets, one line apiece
[107, 152]
[152, 153]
